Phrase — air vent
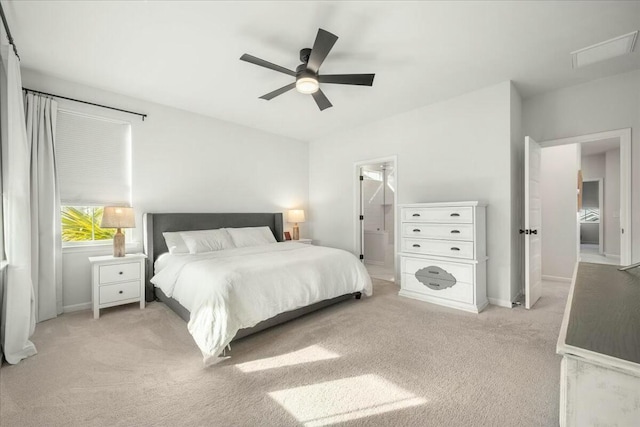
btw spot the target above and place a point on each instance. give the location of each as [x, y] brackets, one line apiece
[617, 46]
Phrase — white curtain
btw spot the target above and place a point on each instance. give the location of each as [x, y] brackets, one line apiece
[18, 318]
[46, 241]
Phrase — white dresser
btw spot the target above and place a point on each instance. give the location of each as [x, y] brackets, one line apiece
[443, 254]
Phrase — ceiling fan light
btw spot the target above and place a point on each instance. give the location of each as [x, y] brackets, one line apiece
[307, 85]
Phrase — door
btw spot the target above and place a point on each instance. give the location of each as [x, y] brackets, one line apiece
[532, 223]
[361, 211]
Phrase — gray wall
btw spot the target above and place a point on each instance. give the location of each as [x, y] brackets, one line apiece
[590, 233]
[590, 194]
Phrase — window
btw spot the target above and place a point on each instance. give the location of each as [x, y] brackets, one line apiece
[82, 224]
[93, 161]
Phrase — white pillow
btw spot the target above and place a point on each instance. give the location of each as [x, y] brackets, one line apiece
[207, 240]
[251, 236]
[175, 243]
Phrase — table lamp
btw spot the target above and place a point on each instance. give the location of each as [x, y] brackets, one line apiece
[296, 216]
[118, 217]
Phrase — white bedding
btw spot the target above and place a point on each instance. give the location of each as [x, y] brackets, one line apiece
[229, 290]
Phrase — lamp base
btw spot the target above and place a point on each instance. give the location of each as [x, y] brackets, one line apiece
[296, 232]
[118, 244]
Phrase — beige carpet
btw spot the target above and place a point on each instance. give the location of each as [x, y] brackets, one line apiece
[384, 360]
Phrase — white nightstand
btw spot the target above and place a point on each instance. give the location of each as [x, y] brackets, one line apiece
[305, 241]
[117, 281]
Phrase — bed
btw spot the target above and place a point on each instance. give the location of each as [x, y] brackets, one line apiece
[228, 294]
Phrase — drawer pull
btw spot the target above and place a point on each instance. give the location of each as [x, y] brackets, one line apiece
[455, 249]
[120, 292]
[455, 214]
[120, 272]
[455, 231]
[416, 214]
[416, 230]
[416, 245]
[434, 272]
[434, 284]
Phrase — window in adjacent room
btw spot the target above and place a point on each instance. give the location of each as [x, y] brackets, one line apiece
[93, 160]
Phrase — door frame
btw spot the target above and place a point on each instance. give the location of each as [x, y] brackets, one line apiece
[358, 232]
[624, 136]
[600, 182]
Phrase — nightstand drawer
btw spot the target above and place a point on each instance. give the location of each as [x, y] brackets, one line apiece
[119, 272]
[119, 292]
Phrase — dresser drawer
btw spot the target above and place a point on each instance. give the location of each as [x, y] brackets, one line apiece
[119, 292]
[438, 231]
[454, 215]
[461, 272]
[448, 248]
[119, 272]
[460, 291]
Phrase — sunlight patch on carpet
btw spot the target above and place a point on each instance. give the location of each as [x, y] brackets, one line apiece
[344, 400]
[309, 354]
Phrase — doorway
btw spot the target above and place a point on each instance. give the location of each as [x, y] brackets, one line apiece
[593, 227]
[376, 200]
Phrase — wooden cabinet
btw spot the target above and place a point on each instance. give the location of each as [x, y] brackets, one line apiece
[443, 254]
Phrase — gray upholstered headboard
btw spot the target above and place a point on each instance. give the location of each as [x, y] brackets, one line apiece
[154, 224]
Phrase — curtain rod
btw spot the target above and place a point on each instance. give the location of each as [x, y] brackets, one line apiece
[6, 28]
[86, 102]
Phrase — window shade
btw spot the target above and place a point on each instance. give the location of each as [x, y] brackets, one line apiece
[93, 160]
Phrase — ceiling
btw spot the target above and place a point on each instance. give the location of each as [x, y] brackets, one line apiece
[185, 54]
[599, 147]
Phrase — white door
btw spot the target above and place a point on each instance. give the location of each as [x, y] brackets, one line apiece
[532, 223]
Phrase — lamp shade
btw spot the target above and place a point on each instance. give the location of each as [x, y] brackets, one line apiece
[295, 215]
[117, 217]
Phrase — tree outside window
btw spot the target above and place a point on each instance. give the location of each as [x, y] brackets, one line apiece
[82, 224]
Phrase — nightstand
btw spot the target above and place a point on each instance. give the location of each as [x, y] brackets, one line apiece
[117, 281]
[305, 241]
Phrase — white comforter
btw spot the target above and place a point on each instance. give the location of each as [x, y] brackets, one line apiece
[229, 290]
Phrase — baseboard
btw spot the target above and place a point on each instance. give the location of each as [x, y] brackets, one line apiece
[500, 302]
[76, 307]
[611, 255]
[556, 279]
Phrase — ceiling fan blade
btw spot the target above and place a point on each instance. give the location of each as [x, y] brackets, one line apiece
[277, 92]
[321, 48]
[348, 79]
[321, 100]
[266, 64]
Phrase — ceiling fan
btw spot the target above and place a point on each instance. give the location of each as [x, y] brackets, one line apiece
[307, 78]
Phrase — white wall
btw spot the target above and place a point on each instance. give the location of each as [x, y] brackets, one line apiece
[450, 151]
[612, 202]
[600, 105]
[558, 183]
[185, 162]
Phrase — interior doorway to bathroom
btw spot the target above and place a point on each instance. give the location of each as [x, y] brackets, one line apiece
[377, 183]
